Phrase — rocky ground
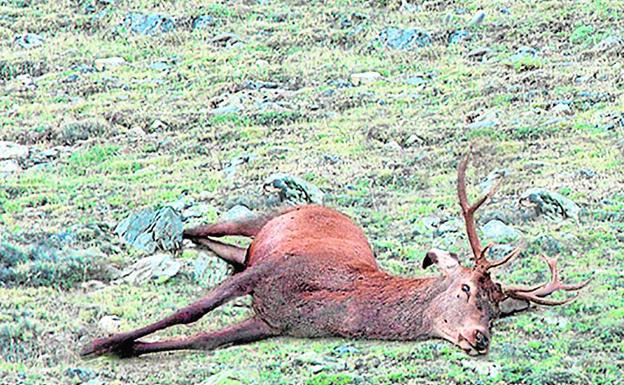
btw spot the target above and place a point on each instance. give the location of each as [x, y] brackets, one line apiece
[122, 122]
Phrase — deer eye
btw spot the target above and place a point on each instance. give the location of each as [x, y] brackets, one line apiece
[466, 289]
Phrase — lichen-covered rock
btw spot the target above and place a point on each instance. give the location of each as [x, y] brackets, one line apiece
[497, 231]
[148, 24]
[159, 267]
[293, 190]
[550, 204]
[404, 39]
[151, 230]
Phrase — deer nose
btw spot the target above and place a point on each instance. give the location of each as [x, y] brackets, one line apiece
[481, 341]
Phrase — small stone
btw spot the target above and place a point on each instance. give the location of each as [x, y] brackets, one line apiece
[392, 146]
[158, 125]
[137, 132]
[148, 24]
[458, 36]
[365, 78]
[106, 63]
[11, 150]
[561, 109]
[110, 324]
[404, 39]
[477, 19]
[203, 22]
[29, 40]
[497, 231]
[159, 66]
[293, 190]
[482, 124]
[159, 267]
[227, 109]
[8, 167]
[415, 81]
[550, 204]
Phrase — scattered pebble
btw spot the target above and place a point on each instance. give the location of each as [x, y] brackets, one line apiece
[365, 78]
[110, 62]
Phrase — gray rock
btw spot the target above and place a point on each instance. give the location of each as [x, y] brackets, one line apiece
[523, 52]
[227, 109]
[209, 271]
[482, 124]
[492, 179]
[10, 150]
[477, 19]
[29, 40]
[203, 22]
[150, 230]
[293, 190]
[8, 167]
[550, 204]
[404, 39]
[415, 81]
[148, 24]
[450, 226]
[109, 62]
[159, 66]
[365, 78]
[497, 231]
[226, 39]
[458, 36]
[237, 213]
[159, 267]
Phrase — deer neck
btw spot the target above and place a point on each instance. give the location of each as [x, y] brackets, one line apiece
[395, 308]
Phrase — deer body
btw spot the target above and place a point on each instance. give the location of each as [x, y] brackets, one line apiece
[311, 273]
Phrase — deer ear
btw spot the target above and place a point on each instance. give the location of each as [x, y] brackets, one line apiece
[444, 260]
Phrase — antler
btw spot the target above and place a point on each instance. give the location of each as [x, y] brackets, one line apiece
[538, 293]
[468, 211]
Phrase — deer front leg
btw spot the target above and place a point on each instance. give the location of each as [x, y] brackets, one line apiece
[253, 329]
[235, 286]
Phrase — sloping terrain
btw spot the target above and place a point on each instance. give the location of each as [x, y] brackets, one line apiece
[108, 107]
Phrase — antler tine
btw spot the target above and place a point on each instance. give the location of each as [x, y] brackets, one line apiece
[538, 293]
[468, 211]
[514, 253]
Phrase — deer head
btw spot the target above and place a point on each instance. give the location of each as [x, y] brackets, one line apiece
[464, 311]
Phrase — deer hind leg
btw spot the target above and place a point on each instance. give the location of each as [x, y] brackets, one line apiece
[247, 227]
[234, 255]
[253, 329]
[235, 286]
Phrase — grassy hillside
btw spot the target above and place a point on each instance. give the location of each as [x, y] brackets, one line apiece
[208, 99]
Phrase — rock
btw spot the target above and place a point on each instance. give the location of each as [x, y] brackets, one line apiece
[550, 204]
[159, 267]
[448, 226]
[159, 66]
[482, 124]
[293, 190]
[561, 109]
[365, 78]
[479, 53]
[404, 39]
[492, 179]
[110, 324]
[497, 231]
[235, 163]
[136, 132]
[29, 40]
[522, 53]
[496, 214]
[158, 125]
[415, 81]
[227, 109]
[209, 271]
[110, 62]
[610, 43]
[149, 230]
[587, 173]
[237, 213]
[203, 22]
[148, 24]
[8, 167]
[477, 19]
[226, 39]
[482, 368]
[198, 210]
[458, 36]
[10, 150]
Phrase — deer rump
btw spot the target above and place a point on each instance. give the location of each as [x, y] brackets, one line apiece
[311, 273]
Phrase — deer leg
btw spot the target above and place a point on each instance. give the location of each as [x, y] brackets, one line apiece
[253, 329]
[248, 228]
[234, 255]
[235, 286]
